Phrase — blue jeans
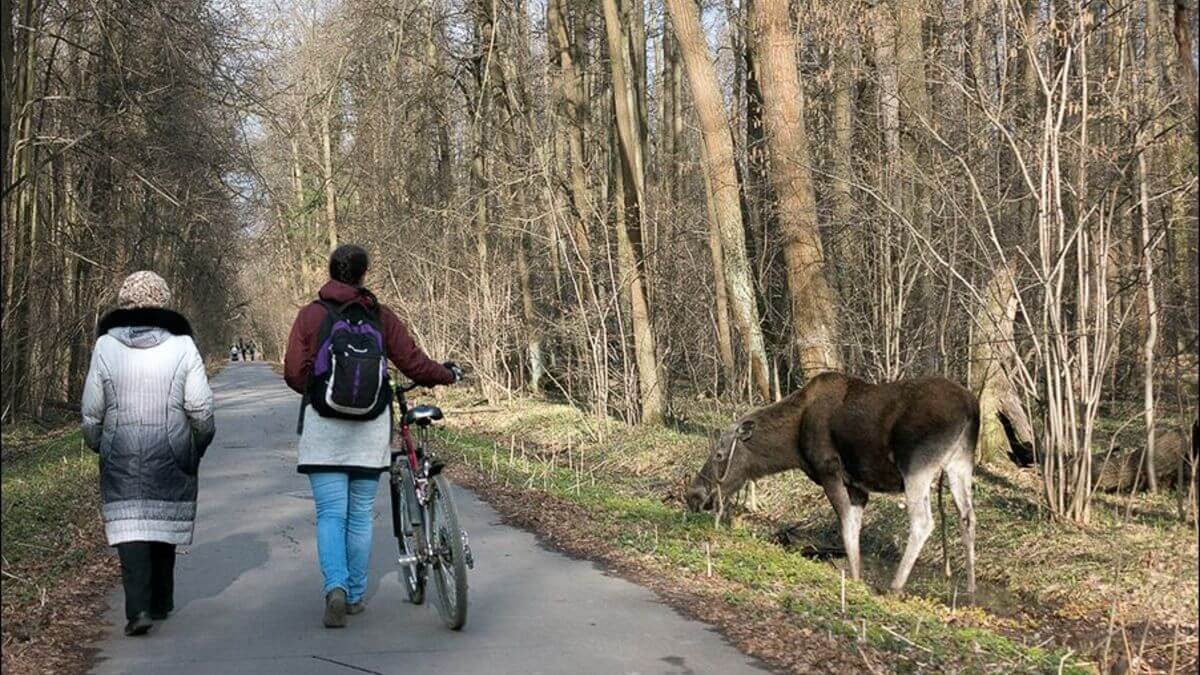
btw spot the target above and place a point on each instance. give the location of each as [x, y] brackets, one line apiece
[345, 510]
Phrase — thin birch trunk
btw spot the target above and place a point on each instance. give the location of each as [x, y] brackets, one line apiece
[1151, 321]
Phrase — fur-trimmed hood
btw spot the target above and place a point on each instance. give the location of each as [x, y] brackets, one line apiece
[145, 317]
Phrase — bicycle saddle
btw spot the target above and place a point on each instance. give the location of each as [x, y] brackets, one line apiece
[423, 415]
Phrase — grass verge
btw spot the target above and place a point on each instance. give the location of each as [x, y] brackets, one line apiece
[1124, 587]
[55, 568]
[747, 575]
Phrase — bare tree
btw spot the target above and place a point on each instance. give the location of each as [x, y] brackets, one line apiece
[813, 303]
[723, 177]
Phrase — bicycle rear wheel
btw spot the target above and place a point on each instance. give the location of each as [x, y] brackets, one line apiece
[412, 575]
[449, 560]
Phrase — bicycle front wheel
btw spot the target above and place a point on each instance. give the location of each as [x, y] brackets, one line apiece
[449, 562]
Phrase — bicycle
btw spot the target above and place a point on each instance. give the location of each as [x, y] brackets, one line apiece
[424, 519]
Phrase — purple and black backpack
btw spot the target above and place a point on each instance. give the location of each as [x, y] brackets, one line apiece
[349, 375]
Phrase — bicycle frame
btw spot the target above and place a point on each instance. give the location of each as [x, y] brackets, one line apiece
[420, 480]
[410, 448]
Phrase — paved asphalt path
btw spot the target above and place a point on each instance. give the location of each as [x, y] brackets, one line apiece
[248, 591]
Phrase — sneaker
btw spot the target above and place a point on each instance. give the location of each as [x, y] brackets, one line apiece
[356, 607]
[139, 625]
[335, 608]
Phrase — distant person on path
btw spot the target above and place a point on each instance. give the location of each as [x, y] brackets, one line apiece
[233, 353]
[345, 420]
[148, 411]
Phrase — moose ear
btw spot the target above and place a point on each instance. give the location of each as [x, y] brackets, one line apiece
[745, 429]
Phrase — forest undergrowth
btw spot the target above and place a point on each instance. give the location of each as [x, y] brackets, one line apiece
[57, 567]
[1121, 591]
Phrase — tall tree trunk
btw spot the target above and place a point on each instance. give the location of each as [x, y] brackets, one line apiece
[1147, 161]
[724, 333]
[327, 170]
[1151, 319]
[7, 53]
[719, 164]
[573, 107]
[301, 218]
[671, 96]
[991, 351]
[884, 34]
[755, 189]
[843, 134]
[485, 336]
[1183, 45]
[910, 57]
[533, 341]
[445, 174]
[814, 307]
[20, 225]
[626, 107]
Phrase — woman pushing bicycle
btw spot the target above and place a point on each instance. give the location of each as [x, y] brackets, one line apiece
[337, 356]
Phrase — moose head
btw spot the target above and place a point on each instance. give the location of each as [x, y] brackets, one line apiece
[730, 464]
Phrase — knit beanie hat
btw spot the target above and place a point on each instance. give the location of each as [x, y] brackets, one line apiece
[143, 289]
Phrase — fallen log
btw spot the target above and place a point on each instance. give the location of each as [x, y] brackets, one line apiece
[1125, 470]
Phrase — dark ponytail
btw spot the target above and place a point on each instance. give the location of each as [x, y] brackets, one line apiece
[348, 264]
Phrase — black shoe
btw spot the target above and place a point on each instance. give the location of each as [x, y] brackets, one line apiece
[356, 607]
[435, 467]
[139, 625]
[335, 609]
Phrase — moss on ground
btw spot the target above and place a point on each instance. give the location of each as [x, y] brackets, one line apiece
[50, 511]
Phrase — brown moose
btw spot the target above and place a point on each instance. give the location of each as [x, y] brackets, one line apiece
[853, 438]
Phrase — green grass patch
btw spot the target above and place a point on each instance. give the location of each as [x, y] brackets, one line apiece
[50, 521]
[1136, 553]
[913, 629]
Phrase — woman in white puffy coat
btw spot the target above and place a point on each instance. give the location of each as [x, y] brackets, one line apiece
[148, 411]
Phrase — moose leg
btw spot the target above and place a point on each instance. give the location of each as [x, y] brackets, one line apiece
[920, 523]
[958, 475]
[848, 503]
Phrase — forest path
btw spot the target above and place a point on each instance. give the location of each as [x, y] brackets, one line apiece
[248, 591]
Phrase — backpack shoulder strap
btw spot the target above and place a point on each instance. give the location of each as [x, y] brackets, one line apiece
[332, 313]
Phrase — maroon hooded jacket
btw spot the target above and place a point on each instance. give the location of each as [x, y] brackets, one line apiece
[401, 350]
